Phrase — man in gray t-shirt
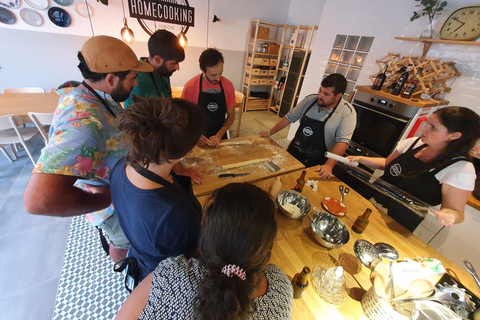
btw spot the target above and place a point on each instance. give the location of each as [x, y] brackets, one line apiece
[327, 122]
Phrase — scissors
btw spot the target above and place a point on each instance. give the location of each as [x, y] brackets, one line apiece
[343, 191]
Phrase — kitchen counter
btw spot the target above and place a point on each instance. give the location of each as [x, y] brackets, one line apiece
[416, 102]
[295, 248]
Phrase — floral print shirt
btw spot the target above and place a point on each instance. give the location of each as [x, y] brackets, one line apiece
[84, 141]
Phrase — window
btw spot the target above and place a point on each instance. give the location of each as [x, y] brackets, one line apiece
[347, 58]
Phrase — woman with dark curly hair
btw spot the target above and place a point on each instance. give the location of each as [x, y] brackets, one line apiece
[232, 279]
[435, 167]
[156, 208]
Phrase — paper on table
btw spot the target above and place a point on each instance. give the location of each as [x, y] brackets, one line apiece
[340, 159]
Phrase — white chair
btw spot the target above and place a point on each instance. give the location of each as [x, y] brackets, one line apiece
[24, 90]
[12, 132]
[2, 147]
[42, 120]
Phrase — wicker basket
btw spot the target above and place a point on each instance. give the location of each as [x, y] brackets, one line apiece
[263, 33]
[273, 48]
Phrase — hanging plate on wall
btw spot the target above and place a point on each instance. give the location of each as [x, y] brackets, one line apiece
[7, 16]
[38, 4]
[64, 3]
[81, 8]
[10, 4]
[31, 17]
[59, 17]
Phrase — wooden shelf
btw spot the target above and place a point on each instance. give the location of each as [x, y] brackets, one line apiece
[427, 43]
[419, 103]
[281, 69]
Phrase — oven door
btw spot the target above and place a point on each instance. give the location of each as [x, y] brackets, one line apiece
[376, 133]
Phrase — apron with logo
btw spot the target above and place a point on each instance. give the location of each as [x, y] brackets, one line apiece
[215, 106]
[308, 146]
[423, 186]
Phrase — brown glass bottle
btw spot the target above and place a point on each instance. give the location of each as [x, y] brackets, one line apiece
[300, 282]
[300, 182]
[362, 222]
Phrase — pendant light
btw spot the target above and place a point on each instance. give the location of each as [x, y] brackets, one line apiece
[126, 32]
[183, 40]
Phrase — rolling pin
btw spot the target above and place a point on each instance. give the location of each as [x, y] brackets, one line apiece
[341, 159]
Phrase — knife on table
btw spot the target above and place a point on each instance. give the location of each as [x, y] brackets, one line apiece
[226, 175]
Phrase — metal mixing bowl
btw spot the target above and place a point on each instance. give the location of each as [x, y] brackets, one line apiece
[294, 198]
[328, 230]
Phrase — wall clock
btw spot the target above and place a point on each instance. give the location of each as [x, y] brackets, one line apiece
[462, 24]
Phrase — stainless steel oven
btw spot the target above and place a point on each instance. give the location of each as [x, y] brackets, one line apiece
[381, 123]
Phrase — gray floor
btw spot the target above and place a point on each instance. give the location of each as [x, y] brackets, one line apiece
[32, 247]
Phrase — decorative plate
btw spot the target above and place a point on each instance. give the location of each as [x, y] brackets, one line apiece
[64, 3]
[9, 4]
[7, 16]
[59, 17]
[82, 10]
[38, 4]
[31, 17]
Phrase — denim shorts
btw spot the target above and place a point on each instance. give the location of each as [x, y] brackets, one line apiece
[114, 233]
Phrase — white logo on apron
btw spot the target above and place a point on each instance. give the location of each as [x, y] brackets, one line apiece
[396, 170]
[212, 106]
[307, 131]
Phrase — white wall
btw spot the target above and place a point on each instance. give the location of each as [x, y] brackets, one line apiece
[384, 20]
[305, 12]
[46, 56]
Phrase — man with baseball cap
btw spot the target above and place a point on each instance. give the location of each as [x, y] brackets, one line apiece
[71, 176]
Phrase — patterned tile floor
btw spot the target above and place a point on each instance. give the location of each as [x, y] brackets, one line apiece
[37, 260]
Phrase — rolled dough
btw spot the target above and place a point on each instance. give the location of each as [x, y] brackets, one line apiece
[244, 163]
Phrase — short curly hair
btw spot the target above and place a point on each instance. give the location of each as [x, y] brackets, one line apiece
[156, 130]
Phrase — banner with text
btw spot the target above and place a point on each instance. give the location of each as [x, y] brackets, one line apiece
[162, 11]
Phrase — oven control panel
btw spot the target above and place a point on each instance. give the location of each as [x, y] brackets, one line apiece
[392, 107]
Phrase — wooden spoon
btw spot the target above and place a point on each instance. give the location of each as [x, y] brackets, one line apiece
[419, 288]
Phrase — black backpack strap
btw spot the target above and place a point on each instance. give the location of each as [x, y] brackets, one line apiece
[133, 271]
[103, 240]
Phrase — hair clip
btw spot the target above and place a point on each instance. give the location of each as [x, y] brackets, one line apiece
[231, 269]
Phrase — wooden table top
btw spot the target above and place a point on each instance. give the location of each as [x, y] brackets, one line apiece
[295, 247]
[211, 160]
[23, 103]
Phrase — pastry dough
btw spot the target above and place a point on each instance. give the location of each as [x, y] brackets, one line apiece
[229, 143]
[244, 163]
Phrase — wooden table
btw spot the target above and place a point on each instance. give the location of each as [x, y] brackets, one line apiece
[22, 103]
[254, 147]
[295, 248]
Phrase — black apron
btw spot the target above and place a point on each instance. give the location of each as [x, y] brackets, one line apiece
[308, 146]
[215, 106]
[423, 186]
[182, 184]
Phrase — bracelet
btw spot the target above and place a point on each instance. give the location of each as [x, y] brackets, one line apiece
[269, 133]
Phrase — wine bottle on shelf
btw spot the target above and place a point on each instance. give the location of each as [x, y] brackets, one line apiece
[411, 85]
[380, 79]
[401, 82]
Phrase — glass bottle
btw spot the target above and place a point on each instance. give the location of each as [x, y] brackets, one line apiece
[411, 85]
[300, 282]
[362, 222]
[401, 82]
[380, 79]
[300, 182]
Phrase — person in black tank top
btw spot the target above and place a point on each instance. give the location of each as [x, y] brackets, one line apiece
[447, 138]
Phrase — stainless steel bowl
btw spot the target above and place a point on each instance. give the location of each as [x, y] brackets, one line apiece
[328, 230]
[292, 199]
